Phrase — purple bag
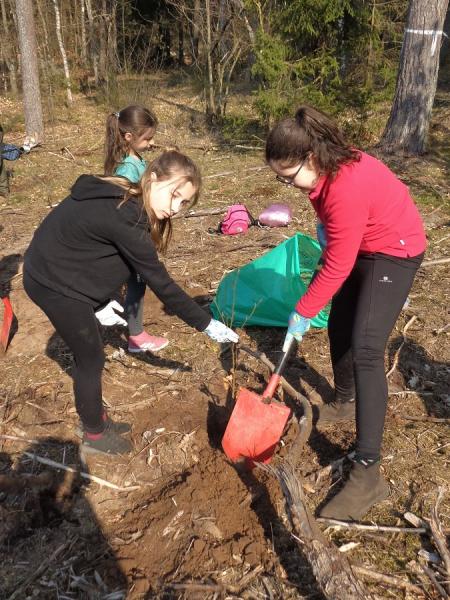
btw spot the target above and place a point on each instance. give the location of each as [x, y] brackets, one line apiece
[276, 215]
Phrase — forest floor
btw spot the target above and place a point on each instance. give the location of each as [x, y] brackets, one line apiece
[192, 526]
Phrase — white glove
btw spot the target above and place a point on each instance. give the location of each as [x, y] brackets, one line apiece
[219, 332]
[107, 315]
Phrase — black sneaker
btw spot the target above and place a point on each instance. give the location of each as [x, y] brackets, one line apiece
[110, 442]
[116, 426]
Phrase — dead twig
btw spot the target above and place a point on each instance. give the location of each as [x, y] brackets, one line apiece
[225, 173]
[389, 580]
[397, 354]
[57, 465]
[430, 574]
[361, 527]
[200, 213]
[94, 478]
[437, 261]
[439, 537]
[424, 418]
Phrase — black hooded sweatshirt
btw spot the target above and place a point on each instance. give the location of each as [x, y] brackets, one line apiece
[88, 245]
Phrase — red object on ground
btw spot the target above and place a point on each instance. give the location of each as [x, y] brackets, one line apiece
[254, 429]
[7, 322]
[256, 423]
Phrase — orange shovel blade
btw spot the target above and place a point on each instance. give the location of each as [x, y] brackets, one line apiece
[254, 428]
[7, 321]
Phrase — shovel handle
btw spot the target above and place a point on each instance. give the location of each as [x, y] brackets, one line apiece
[276, 375]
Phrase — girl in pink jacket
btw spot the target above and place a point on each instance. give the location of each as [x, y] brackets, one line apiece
[373, 242]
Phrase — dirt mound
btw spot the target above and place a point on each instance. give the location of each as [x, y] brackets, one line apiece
[196, 524]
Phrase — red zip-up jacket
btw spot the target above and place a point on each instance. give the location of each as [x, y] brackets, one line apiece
[365, 209]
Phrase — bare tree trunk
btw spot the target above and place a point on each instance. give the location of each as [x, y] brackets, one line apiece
[113, 56]
[103, 44]
[83, 33]
[408, 123]
[93, 44]
[196, 30]
[180, 43]
[210, 103]
[8, 51]
[32, 104]
[63, 52]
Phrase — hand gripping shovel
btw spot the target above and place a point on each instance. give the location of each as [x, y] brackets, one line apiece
[7, 322]
[257, 422]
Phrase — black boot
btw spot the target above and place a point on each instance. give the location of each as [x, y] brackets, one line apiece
[364, 488]
[119, 427]
[109, 442]
[336, 411]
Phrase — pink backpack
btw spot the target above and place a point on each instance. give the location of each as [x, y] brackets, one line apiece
[237, 220]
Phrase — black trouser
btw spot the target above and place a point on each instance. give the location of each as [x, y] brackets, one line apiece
[76, 323]
[134, 304]
[363, 314]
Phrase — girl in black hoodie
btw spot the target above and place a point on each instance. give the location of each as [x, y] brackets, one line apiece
[86, 248]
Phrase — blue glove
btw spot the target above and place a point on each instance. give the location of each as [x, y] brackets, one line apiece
[321, 235]
[297, 327]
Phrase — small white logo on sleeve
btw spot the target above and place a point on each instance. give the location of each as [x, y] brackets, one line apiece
[385, 279]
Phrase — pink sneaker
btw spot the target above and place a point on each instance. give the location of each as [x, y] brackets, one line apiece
[146, 343]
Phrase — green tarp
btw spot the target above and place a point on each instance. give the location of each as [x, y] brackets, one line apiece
[265, 291]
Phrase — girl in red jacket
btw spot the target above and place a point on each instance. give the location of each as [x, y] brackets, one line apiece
[373, 241]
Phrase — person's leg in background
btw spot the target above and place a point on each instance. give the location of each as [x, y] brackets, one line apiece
[385, 284]
[139, 340]
[340, 330]
[4, 184]
[75, 322]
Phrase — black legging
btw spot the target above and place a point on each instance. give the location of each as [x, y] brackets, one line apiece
[363, 314]
[76, 323]
[134, 304]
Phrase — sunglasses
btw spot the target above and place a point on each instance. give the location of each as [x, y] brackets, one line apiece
[290, 180]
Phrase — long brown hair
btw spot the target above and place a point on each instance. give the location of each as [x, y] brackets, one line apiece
[166, 166]
[134, 119]
[310, 131]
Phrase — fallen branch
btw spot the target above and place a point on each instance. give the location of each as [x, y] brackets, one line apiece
[429, 572]
[193, 586]
[438, 261]
[200, 213]
[99, 480]
[397, 354]
[225, 173]
[329, 469]
[424, 418]
[332, 570]
[439, 537]
[361, 527]
[246, 246]
[390, 580]
[16, 438]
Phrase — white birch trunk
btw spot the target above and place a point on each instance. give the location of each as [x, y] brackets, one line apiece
[63, 52]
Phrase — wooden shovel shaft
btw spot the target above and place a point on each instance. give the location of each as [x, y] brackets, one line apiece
[274, 381]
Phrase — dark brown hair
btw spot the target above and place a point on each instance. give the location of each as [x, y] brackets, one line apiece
[134, 119]
[310, 130]
[168, 165]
